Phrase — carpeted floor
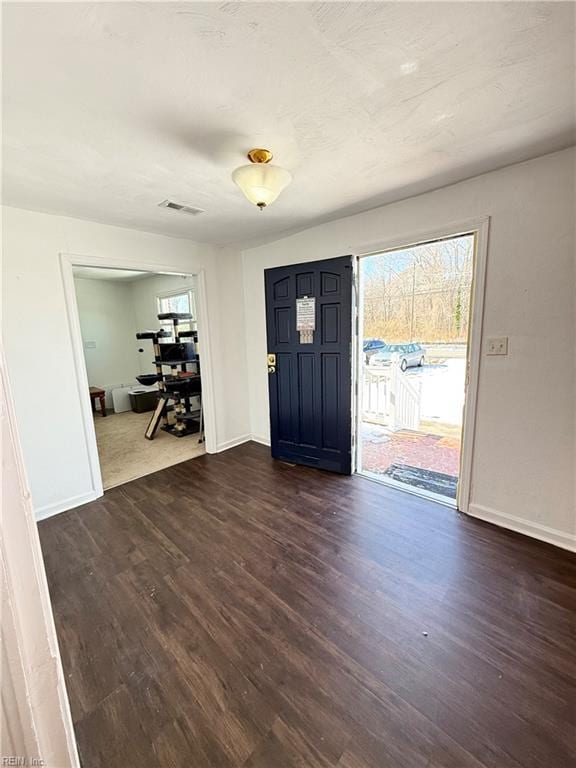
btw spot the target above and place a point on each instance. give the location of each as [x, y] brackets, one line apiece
[125, 454]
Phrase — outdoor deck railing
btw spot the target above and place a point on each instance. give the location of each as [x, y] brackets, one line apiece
[390, 397]
[376, 395]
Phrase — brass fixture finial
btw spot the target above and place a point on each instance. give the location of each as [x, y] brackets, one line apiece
[259, 155]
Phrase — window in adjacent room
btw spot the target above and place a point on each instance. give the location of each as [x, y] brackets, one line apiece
[182, 301]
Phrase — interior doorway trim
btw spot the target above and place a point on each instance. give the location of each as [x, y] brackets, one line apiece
[70, 260]
[480, 228]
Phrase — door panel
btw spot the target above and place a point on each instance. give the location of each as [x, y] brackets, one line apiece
[330, 283]
[330, 401]
[310, 385]
[306, 383]
[330, 323]
[282, 327]
[284, 397]
[281, 288]
[304, 284]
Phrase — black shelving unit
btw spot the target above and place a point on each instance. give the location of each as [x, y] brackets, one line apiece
[176, 388]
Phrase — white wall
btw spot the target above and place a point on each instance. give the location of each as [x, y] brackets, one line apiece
[37, 338]
[231, 352]
[524, 459]
[107, 319]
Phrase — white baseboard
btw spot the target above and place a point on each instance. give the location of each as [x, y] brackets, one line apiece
[63, 506]
[243, 439]
[528, 528]
[232, 443]
[260, 439]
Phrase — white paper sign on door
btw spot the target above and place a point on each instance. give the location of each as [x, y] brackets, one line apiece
[306, 314]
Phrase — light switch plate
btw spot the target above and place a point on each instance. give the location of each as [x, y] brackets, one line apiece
[89, 345]
[497, 345]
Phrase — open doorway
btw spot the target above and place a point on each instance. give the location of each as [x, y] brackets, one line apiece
[128, 319]
[415, 317]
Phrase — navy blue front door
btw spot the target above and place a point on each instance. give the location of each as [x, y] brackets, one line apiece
[310, 372]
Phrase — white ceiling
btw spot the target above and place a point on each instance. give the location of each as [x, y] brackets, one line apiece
[109, 108]
[106, 273]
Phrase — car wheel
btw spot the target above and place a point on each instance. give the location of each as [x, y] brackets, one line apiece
[421, 363]
[403, 365]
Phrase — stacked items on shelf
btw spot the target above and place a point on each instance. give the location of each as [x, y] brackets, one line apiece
[177, 388]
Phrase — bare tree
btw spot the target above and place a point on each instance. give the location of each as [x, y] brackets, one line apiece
[421, 293]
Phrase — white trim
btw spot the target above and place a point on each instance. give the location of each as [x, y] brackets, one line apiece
[233, 443]
[260, 439]
[81, 374]
[527, 527]
[49, 510]
[356, 354]
[358, 366]
[179, 292]
[206, 364]
[39, 683]
[444, 232]
[67, 262]
[479, 227]
[473, 351]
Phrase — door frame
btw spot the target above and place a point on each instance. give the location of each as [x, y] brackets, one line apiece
[480, 227]
[70, 260]
[40, 717]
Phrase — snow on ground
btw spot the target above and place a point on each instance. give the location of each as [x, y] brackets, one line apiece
[442, 389]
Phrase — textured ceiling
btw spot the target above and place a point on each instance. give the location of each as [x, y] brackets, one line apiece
[109, 108]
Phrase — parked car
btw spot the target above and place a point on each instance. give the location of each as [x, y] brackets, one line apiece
[371, 347]
[409, 355]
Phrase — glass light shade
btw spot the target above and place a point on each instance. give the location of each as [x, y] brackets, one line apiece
[261, 182]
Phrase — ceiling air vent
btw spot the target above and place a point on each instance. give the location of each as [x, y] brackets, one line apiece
[181, 208]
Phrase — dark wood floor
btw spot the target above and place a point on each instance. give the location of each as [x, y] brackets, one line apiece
[235, 611]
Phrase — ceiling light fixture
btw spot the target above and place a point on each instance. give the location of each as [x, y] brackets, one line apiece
[260, 182]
